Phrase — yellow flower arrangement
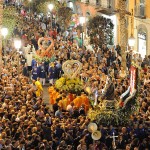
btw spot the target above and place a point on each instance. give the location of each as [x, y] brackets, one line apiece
[69, 85]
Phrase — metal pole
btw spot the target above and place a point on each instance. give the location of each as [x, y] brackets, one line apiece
[51, 20]
[18, 61]
[82, 36]
[4, 53]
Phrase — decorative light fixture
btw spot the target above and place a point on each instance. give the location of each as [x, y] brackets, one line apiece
[17, 44]
[82, 21]
[50, 7]
[131, 40]
[4, 32]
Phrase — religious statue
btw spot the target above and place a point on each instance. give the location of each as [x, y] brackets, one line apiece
[109, 90]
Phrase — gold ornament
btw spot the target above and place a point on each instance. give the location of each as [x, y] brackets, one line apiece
[48, 51]
[72, 68]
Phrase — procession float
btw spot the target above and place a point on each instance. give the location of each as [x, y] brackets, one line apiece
[46, 50]
[70, 81]
[110, 111]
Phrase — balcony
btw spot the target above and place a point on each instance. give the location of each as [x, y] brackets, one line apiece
[106, 7]
[90, 2]
[85, 1]
[140, 11]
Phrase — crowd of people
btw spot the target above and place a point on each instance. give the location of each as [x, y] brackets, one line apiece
[27, 123]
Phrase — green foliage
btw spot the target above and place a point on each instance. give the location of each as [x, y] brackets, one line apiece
[42, 7]
[116, 117]
[69, 85]
[64, 16]
[101, 31]
[44, 59]
[9, 19]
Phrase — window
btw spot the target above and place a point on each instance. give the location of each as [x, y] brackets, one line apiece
[140, 9]
[142, 1]
[142, 42]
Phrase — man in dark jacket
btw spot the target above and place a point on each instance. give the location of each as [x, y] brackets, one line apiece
[25, 71]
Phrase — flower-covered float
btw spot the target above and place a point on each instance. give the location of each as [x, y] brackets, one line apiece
[45, 51]
[70, 82]
[69, 88]
[69, 85]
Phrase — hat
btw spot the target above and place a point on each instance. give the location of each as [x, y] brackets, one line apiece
[92, 127]
[96, 135]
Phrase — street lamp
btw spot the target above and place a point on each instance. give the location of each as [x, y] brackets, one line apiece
[50, 7]
[131, 40]
[4, 32]
[17, 44]
[82, 21]
[30, 5]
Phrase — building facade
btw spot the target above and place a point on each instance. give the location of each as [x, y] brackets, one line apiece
[106, 8]
[109, 9]
[141, 25]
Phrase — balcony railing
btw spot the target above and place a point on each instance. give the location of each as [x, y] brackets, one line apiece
[85, 1]
[106, 7]
[140, 11]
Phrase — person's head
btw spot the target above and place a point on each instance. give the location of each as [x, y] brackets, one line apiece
[127, 147]
[59, 108]
[72, 104]
[124, 130]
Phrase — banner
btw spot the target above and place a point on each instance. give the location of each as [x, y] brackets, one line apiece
[133, 71]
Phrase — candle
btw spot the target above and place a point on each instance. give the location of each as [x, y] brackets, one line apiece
[96, 95]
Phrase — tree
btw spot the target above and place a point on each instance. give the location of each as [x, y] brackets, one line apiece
[100, 30]
[9, 19]
[64, 16]
[123, 30]
[42, 6]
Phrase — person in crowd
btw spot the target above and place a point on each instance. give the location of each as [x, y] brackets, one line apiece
[25, 71]
[35, 72]
[52, 73]
[39, 88]
[42, 73]
[26, 122]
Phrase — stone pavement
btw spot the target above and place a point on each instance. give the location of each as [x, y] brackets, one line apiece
[45, 94]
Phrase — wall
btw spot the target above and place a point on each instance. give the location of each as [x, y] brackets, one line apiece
[139, 23]
[87, 8]
[147, 8]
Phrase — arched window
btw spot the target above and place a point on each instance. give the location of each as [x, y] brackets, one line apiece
[142, 49]
[142, 1]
